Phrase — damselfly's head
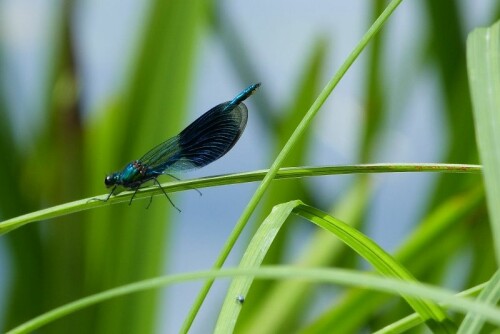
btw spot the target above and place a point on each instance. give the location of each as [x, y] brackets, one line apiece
[111, 180]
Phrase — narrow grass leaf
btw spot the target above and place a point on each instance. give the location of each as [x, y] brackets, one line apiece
[319, 275]
[417, 252]
[365, 247]
[490, 295]
[284, 173]
[380, 260]
[278, 162]
[253, 257]
[413, 320]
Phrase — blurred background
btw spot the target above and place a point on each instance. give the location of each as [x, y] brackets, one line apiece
[87, 86]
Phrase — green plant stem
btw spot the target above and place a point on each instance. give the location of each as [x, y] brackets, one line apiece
[305, 122]
[283, 173]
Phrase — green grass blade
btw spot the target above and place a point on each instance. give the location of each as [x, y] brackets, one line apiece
[376, 97]
[365, 247]
[151, 106]
[284, 173]
[287, 298]
[319, 275]
[446, 39]
[308, 87]
[253, 257]
[379, 259]
[483, 63]
[278, 162]
[414, 319]
[490, 295]
[351, 312]
[25, 248]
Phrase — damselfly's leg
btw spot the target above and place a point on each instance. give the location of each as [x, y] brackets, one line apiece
[163, 190]
[150, 201]
[199, 192]
[103, 200]
[135, 192]
[131, 198]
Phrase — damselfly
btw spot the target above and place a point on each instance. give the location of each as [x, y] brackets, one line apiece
[205, 140]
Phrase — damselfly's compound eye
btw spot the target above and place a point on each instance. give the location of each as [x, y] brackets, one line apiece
[110, 180]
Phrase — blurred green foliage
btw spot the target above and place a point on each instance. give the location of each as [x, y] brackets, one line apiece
[62, 260]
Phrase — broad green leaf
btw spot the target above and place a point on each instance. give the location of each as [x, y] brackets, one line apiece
[483, 63]
[253, 257]
[446, 52]
[418, 252]
[288, 299]
[150, 108]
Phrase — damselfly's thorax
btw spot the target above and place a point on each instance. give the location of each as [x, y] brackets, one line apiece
[141, 168]
[131, 176]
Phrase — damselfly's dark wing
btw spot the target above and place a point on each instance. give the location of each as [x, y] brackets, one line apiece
[205, 140]
[212, 135]
[164, 154]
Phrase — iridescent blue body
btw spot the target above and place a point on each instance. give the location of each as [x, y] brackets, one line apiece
[205, 140]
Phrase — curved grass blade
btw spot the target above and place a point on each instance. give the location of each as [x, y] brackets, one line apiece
[151, 101]
[365, 247]
[287, 148]
[417, 252]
